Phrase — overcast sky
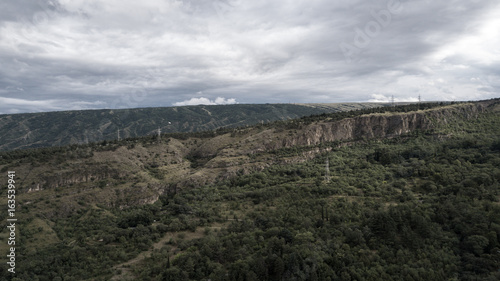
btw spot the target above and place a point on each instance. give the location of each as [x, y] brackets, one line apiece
[85, 54]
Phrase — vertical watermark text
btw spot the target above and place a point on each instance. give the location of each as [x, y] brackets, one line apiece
[11, 221]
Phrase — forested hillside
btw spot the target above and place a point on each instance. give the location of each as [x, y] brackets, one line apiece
[31, 130]
[405, 193]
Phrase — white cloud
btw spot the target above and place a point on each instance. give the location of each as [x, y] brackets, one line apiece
[16, 105]
[379, 98]
[387, 99]
[206, 101]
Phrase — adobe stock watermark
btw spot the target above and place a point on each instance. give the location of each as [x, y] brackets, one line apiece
[132, 99]
[222, 7]
[363, 37]
[47, 12]
[11, 221]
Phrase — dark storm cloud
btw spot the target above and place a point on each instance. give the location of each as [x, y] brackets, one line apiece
[58, 55]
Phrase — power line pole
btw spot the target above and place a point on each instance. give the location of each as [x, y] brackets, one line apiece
[159, 134]
[118, 133]
[392, 101]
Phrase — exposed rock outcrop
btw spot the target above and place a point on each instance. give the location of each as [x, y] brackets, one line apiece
[92, 174]
[376, 126]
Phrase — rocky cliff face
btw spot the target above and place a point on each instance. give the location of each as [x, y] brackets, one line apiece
[61, 179]
[377, 126]
[230, 155]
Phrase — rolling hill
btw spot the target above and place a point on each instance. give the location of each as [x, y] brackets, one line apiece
[31, 130]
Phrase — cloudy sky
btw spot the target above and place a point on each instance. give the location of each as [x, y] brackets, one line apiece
[85, 54]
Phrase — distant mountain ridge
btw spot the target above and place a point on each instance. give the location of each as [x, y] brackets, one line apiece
[31, 130]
